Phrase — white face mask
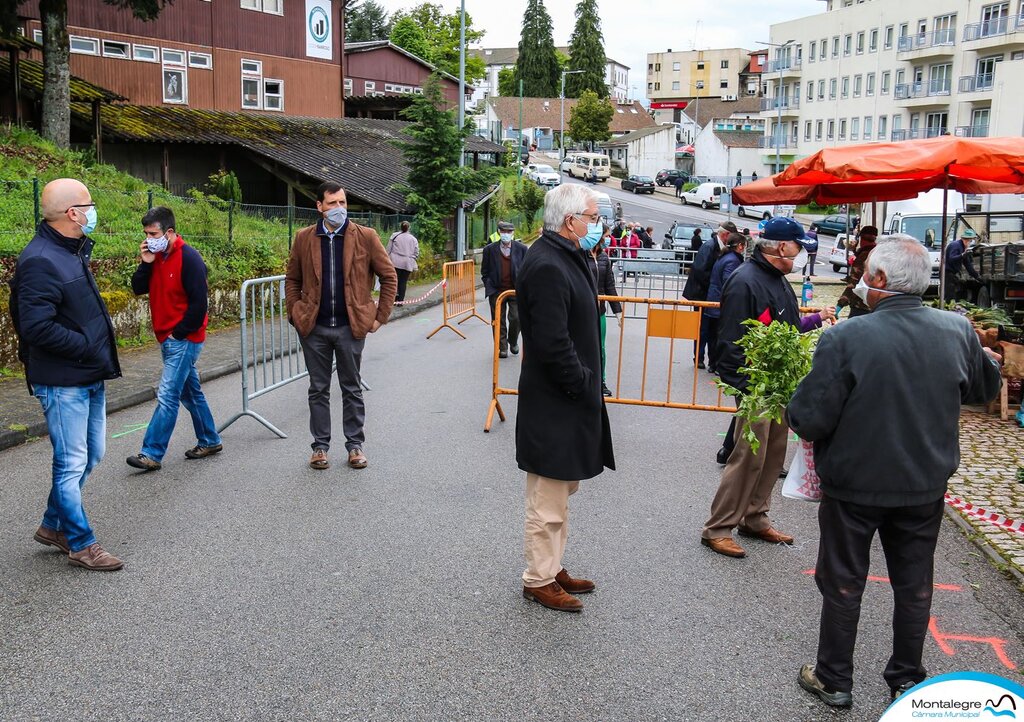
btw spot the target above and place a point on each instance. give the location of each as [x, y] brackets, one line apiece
[862, 288]
[157, 245]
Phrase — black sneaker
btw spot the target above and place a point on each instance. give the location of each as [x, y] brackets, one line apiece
[201, 452]
[141, 461]
[514, 348]
[605, 390]
[809, 681]
[896, 691]
[722, 457]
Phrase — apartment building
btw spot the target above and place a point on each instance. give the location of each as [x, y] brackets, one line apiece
[498, 59]
[675, 78]
[876, 70]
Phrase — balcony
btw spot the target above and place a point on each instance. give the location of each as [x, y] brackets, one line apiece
[977, 83]
[933, 92]
[918, 133]
[785, 66]
[972, 131]
[927, 45]
[1007, 33]
[786, 105]
[768, 142]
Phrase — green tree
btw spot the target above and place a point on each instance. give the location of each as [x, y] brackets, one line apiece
[435, 184]
[407, 35]
[366, 21]
[507, 86]
[528, 198]
[441, 31]
[590, 117]
[587, 53]
[537, 66]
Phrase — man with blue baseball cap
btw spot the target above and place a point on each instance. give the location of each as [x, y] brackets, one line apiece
[759, 290]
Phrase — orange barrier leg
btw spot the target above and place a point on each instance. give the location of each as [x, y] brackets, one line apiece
[495, 406]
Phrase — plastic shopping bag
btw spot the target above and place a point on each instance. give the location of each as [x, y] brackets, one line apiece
[802, 481]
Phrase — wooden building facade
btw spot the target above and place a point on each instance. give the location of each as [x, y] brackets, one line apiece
[379, 68]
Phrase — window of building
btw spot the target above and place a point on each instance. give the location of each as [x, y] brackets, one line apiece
[832, 85]
[146, 53]
[200, 60]
[114, 49]
[650, 67]
[867, 127]
[881, 127]
[700, 66]
[175, 85]
[904, 30]
[842, 129]
[897, 122]
[831, 130]
[650, 86]
[85, 46]
[273, 94]
[854, 128]
[675, 85]
[173, 57]
[888, 37]
[846, 87]
[835, 46]
[250, 93]
[810, 91]
[723, 84]
[811, 56]
[370, 86]
[1017, 55]
[873, 41]
[37, 35]
[676, 66]
[807, 130]
[885, 82]
[847, 44]
[860, 43]
[857, 81]
[700, 85]
[817, 130]
[348, 86]
[869, 88]
[725, 65]
[274, 7]
[824, 48]
[252, 67]
[657, 67]
[657, 86]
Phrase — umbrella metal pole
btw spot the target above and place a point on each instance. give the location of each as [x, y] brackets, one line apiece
[942, 245]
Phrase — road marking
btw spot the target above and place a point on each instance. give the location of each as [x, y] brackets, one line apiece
[942, 639]
[887, 580]
[129, 429]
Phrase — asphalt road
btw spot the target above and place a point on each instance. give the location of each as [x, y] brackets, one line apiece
[258, 589]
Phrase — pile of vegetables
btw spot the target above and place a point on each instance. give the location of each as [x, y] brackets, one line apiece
[778, 357]
[978, 315]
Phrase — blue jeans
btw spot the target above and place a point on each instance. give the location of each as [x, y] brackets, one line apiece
[76, 419]
[179, 385]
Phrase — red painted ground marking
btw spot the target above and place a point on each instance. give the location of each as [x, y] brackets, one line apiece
[886, 580]
[942, 639]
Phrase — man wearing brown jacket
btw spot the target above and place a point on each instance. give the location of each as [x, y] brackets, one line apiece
[327, 294]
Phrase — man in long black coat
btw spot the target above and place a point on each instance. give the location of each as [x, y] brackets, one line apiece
[562, 430]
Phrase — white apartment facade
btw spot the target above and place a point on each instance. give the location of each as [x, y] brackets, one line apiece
[878, 70]
[674, 78]
[497, 59]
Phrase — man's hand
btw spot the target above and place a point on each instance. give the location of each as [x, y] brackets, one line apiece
[375, 326]
[147, 255]
[992, 354]
[828, 313]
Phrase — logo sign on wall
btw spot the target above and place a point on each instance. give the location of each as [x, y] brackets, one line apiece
[961, 695]
[319, 40]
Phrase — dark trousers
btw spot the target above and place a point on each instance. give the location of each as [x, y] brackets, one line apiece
[709, 338]
[403, 280]
[509, 331]
[908, 535]
[320, 348]
[809, 266]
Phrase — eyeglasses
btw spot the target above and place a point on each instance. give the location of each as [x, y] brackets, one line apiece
[593, 217]
[81, 205]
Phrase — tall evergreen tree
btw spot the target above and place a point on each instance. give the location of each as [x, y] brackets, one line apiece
[366, 21]
[586, 53]
[537, 66]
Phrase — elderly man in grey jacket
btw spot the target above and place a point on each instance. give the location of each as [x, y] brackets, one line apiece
[882, 406]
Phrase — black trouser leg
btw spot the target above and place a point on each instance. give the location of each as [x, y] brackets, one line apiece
[403, 280]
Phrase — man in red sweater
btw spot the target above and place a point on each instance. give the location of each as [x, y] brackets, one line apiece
[174, 276]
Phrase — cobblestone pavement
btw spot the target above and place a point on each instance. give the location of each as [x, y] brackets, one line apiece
[991, 452]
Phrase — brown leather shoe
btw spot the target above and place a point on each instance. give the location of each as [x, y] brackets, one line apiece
[554, 597]
[319, 460]
[357, 459]
[574, 586]
[52, 538]
[770, 535]
[93, 557]
[724, 545]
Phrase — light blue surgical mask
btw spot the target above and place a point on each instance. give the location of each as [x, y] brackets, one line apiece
[336, 216]
[90, 220]
[595, 232]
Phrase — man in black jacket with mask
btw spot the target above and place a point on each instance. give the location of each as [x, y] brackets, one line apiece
[884, 419]
[66, 340]
[758, 290]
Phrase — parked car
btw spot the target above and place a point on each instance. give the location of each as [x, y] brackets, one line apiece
[841, 256]
[545, 175]
[752, 212]
[587, 163]
[567, 163]
[605, 209]
[668, 176]
[682, 234]
[834, 225]
[706, 195]
[638, 184]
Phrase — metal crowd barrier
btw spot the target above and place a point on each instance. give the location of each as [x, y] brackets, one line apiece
[459, 295]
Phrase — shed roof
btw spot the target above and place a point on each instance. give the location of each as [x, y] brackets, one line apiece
[31, 73]
[739, 138]
[538, 115]
[637, 135]
[370, 45]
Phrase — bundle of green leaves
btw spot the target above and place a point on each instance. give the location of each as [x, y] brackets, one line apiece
[778, 357]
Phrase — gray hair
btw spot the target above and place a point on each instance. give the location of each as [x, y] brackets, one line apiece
[906, 263]
[762, 242]
[563, 201]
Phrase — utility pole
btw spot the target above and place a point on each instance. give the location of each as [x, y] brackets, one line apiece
[519, 153]
[460, 214]
[561, 122]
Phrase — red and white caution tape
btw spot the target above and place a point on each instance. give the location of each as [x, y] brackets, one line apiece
[984, 514]
[422, 298]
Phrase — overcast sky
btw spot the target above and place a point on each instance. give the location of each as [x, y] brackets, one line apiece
[633, 28]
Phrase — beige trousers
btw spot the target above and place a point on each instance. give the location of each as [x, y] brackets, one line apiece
[547, 527]
[747, 481]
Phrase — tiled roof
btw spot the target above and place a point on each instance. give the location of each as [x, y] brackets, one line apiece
[710, 108]
[18, 42]
[369, 45]
[31, 73]
[537, 115]
[361, 154]
[636, 135]
[739, 138]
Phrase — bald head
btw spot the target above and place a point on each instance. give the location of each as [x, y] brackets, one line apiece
[58, 202]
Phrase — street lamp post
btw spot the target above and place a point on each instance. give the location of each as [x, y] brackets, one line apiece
[561, 122]
[460, 214]
[778, 94]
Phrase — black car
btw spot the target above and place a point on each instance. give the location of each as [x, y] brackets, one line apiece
[834, 225]
[638, 184]
[667, 177]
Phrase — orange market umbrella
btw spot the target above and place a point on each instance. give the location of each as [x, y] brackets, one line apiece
[764, 191]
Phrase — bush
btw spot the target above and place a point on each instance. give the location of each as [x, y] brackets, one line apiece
[528, 198]
[224, 185]
[690, 186]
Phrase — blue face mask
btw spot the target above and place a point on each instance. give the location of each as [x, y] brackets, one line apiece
[336, 216]
[595, 232]
[90, 220]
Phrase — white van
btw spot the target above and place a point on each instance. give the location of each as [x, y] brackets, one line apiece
[586, 163]
[705, 195]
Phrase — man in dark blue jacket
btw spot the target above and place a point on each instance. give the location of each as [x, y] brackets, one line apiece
[499, 266]
[884, 419]
[67, 343]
